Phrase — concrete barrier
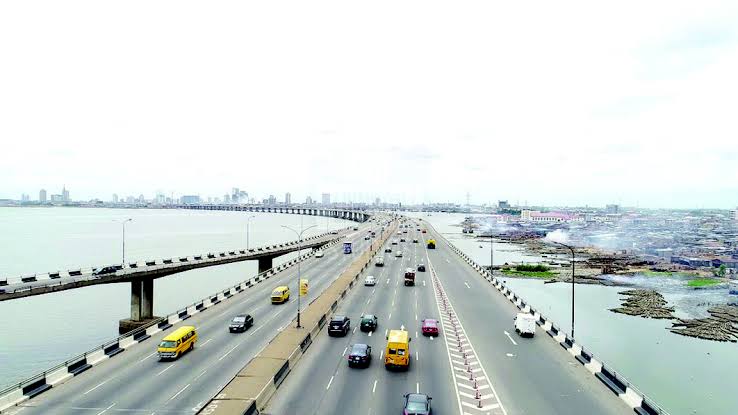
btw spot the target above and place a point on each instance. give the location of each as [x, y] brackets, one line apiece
[616, 383]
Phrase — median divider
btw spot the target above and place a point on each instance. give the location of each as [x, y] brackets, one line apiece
[251, 389]
[31, 387]
[625, 390]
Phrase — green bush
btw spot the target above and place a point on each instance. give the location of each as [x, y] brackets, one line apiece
[531, 268]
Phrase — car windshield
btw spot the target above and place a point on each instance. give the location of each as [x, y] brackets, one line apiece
[337, 320]
[239, 319]
[367, 319]
[416, 406]
[276, 293]
[167, 344]
[358, 349]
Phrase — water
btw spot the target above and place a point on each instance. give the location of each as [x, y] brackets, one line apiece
[42, 331]
[682, 374]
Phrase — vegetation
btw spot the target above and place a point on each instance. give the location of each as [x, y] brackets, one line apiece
[650, 273]
[703, 282]
[721, 271]
[534, 271]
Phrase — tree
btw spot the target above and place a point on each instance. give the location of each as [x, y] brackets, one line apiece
[721, 271]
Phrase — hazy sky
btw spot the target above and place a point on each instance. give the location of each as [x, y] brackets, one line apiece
[555, 103]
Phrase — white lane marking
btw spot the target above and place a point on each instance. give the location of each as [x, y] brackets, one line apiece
[393, 302]
[509, 337]
[381, 354]
[388, 280]
[206, 342]
[431, 337]
[180, 391]
[448, 260]
[385, 332]
[416, 316]
[417, 387]
[416, 334]
[423, 283]
[355, 328]
[370, 333]
[165, 369]
[390, 316]
[198, 376]
[148, 356]
[102, 383]
[106, 409]
[344, 351]
[228, 352]
[329, 383]
[417, 355]
[467, 284]
[368, 299]
[374, 387]
[510, 355]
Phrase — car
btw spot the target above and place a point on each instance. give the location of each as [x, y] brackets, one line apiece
[398, 254]
[334, 232]
[405, 231]
[368, 322]
[361, 355]
[241, 323]
[417, 404]
[339, 325]
[424, 231]
[421, 267]
[415, 240]
[388, 249]
[319, 254]
[394, 242]
[367, 237]
[105, 270]
[430, 327]
[370, 280]
[379, 262]
[402, 239]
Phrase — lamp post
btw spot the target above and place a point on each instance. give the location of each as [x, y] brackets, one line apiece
[123, 223]
[491, 255]
[572, 285]
[247, 230]
[299, 248]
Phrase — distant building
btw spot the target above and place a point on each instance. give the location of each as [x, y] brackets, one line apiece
[309, 200]
[226, 198]
[287, 198]
[25, 197]
[42, 195]
[130, 200]
[503, 204]
[326, 199]
[612, 209]
[56, 198]
[272, 200]
[115, 198]
[65, 194]
[735, 214]
[190, 200]
[545, 217]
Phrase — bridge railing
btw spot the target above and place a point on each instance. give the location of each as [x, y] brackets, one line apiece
[615, 381]
[84, 274]
[40, 382]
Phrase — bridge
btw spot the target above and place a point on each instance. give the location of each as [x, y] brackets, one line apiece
[347, 214]
[477, 364]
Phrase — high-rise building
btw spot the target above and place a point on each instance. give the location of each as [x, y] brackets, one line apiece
[377, 201]
[226, 198]
[272, 200]
[287, 198]
[42, 195]
[56, 198]
[25, 197]
[190, 200]
[65, 194]
[503, 204]
[614, 209]
[326, 199]
[308, 200]
[735, 214]
[115, 198]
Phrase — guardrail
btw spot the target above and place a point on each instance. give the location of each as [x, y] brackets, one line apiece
[41, 382]
[84, 274]
[251, 389]
[616, 382]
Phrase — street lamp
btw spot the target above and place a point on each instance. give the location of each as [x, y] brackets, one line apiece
[247, 230]
[124, 239]
[572, 285]
[299, 248]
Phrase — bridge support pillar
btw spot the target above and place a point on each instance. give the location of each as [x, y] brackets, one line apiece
[265, 264]
[142, 305]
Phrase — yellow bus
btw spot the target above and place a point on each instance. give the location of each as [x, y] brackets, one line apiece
[177, 342]
[280, 294]
[397, 353]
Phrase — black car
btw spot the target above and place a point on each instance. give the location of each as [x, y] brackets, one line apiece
[402, 239]
[241, 323]
[388, 249]
[421, 267]
[361, 355]
[339, 325]
[106, 270]
[417, 404]
[368, 322]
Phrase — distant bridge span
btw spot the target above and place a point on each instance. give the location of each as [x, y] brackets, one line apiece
[348, 214]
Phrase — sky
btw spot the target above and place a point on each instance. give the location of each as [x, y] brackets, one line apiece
[538, 103]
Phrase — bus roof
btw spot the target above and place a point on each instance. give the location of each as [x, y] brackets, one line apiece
[176, 334]
[398, 336]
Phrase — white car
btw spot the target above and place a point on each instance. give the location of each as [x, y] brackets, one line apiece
[525, 324]
[319, 254]
[370, 280]
[398, 254]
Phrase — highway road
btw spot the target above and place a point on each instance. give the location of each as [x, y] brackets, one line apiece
[522, 376]
[136, 382]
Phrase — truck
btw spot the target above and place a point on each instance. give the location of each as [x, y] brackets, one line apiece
[525, 324]
[409, 277]
[431, 244]
[347, 247]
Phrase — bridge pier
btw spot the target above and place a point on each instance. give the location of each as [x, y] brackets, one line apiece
[265, 264]
[142, 305]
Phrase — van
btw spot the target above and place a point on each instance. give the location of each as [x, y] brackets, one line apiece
[397, 353]
[525, 324]
[177, 343]
[280, 294]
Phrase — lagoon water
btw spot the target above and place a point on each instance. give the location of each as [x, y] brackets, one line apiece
[682, 374]
[42, 331]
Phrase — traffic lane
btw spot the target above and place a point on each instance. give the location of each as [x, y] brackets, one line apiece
[98, 385]
[562, 385]
[318, 366]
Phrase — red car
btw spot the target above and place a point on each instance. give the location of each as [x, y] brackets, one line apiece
[430, 327]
